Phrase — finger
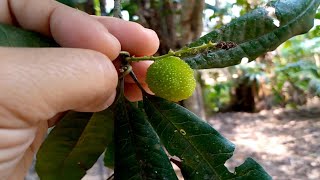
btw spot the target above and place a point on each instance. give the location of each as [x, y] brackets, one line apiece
[134, 38]
[5, 16]
[133, 92]
[39, 83]
[26, 143]
[69, 27]
[82, 32]
[13, 144]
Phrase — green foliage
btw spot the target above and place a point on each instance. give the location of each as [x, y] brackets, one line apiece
[202, 150]
[109, 154]
[11, 36]
[70, 3]
[74, 145]
[254, 72]
[217, 96]
[255, 33]
[315, 32]
[303, 76]
[296, 72]
[139, 154]
[132, 9]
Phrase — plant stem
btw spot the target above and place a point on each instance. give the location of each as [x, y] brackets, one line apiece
[134, 77]
[186, 51]
[97, 9]
[117, 9]
[111, 177]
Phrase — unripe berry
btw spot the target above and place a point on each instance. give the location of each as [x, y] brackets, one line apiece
[171, 78]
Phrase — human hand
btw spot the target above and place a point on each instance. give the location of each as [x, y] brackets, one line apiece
[38, 84]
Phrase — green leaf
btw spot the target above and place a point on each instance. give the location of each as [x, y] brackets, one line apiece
[74, 145]
[317, 15]
[70, 3]
[11, 36]
[250, 170]
[139, 154]
[109, 155]
[255, 33]
[202, 150]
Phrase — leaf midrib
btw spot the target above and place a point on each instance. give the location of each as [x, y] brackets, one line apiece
[187, 139]
[63, 163]
[293, 21]
[141, 171]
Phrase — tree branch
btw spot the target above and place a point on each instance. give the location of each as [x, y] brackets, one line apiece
[117, 9]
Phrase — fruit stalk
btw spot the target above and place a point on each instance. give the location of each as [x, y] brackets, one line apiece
[186, 51]
[134, 77]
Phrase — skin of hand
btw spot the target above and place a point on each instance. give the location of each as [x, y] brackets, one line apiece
[38, 84]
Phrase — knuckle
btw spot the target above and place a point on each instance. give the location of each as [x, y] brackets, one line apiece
[106, 73]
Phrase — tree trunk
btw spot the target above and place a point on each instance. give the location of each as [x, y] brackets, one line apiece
[191, 20]
[103, 7]
[191, 29]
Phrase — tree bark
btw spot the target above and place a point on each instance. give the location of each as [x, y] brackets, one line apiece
[103, 7]
[191, 20]
[191, 29]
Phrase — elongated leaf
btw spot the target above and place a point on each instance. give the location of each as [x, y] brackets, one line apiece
[11, 36]
[139, 154]
[250, 170]
[202, 150]
[74, 145]
[109, 155]
[256, 33]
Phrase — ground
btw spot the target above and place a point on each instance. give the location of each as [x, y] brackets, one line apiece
[285, 142]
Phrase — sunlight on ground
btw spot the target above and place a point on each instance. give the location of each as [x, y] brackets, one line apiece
[285, 142]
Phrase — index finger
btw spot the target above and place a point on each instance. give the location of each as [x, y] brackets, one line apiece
[69, 27]
[133, 37]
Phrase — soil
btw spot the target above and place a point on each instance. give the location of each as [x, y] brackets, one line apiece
[285, 142]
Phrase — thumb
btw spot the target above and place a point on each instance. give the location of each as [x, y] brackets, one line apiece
[38, 83]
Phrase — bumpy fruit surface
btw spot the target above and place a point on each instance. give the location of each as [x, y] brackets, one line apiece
[171, 78]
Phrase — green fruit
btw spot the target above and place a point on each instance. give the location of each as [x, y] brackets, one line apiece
[171, 78]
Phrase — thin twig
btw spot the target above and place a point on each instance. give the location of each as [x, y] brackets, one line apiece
[117, 9]
[186, 51]
[111, 177]
[134, 77]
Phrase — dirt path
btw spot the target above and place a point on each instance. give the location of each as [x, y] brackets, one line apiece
[285, 142]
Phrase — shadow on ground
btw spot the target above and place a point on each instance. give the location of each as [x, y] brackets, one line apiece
[285, 142]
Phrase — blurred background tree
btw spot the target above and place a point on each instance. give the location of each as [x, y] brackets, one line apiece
[286, 77]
